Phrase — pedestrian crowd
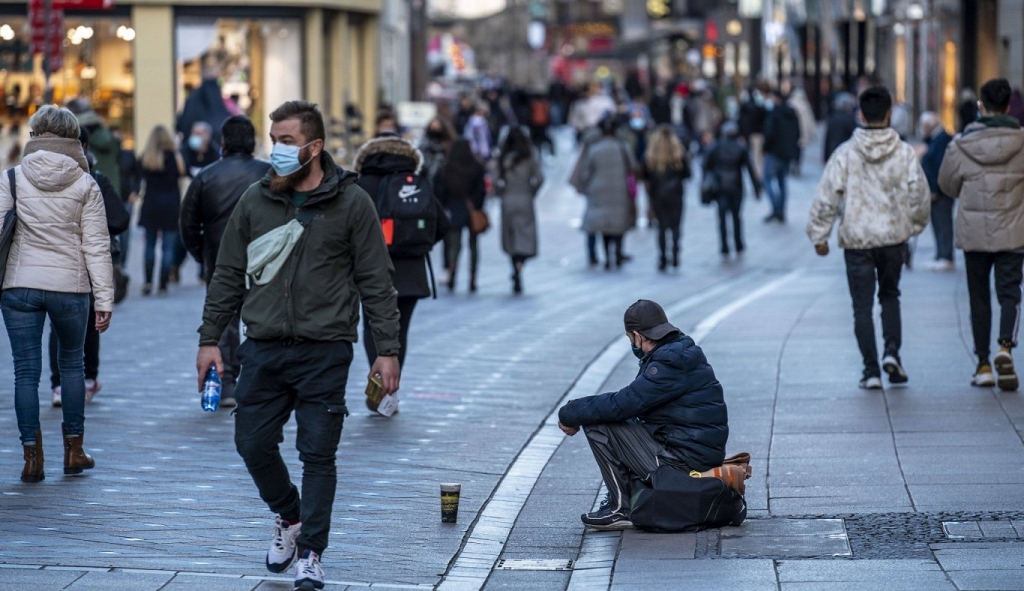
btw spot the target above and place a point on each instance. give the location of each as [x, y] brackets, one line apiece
[305, 253]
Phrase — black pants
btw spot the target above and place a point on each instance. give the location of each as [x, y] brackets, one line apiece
[623, 451]
[866, 268]
[406, 306]
[942, 225]
[307, 377]
[92, 349]
[453, 248]
[612, 242]
[1008, 285]
[729, 206]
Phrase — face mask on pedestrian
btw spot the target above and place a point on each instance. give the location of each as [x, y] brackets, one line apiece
[638, 352]
[435, 134]
[637, 123]
[285, 159]
[195, 142]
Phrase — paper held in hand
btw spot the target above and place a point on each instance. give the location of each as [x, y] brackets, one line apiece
[377, 401]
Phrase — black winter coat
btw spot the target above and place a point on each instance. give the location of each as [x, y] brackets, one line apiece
[665, 192]
[727, 159]
[782, 133]
[377, 159]
[209, 201]
[840, 127]
[677, 398]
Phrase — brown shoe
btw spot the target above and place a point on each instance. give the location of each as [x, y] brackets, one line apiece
[33, 470]
[733, 475]
[75, 458]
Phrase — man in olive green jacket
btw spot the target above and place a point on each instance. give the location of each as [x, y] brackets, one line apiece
[301, 323]
[984, 169]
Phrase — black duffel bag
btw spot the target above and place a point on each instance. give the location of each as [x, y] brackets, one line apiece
[671, 500]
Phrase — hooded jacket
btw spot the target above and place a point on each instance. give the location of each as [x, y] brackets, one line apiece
[875, 185]
[984, 168]
[61, 242]
[677, 398]
[377, 159]
[338, 263]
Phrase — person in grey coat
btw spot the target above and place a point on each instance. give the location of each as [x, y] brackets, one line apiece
[602, 176]
[519, 178]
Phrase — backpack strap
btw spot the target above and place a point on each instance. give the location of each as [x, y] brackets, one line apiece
[13, 185]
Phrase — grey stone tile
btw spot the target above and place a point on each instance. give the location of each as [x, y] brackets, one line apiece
[897, 574]
[120, 581]
[988, 579]
[982, 556]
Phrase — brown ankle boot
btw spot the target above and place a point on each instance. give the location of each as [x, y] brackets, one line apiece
[33, 470]
[75, 458]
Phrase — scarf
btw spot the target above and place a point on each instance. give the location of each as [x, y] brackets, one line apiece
[49, 142]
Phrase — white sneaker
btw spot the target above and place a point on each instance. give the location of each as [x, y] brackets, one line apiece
[91, 388]
[56, 396]
[942, 266]
[283, 551]
[871, 383]
[308, 573]
[1006, 376]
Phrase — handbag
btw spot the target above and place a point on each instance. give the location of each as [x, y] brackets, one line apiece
[710, 187]
[10, 223]
[670, 500]
[478, 220]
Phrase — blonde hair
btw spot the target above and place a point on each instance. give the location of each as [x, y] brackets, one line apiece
[159, 143]
[664, 150]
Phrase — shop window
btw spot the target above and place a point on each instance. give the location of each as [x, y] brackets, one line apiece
[97, 65]
[256, 64]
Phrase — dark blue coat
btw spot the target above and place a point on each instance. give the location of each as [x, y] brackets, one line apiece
[675, 395]
[931, 162]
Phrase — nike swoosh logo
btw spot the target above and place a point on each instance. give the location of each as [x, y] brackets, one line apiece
[408, 191]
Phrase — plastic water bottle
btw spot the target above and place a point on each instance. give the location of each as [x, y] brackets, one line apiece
[211, 391]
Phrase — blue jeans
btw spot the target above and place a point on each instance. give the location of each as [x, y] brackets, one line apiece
[775, 171]
[168, 254]
[25, 311]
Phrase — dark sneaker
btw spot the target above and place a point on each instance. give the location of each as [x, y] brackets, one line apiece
[871, 383]
[308, 573]
[892, 366]
[606, 519]
[1006, 376]
[283, 551]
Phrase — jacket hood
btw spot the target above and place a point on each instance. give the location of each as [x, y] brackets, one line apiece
[876, 145]
[388, 154]
[52, 163]
[990, 146]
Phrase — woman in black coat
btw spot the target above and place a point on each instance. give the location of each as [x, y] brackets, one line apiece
[162, 166]
[377, 159]
[461, 186]
[666, 168]
[726, 159]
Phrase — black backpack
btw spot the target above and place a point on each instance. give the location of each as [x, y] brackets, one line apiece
[405, 206]
[671, 500]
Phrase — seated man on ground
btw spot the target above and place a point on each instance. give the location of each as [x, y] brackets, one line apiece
[673, 413]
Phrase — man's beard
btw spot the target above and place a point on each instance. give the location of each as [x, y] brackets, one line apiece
[286, 184]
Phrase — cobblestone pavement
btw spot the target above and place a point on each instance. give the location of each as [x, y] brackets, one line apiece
[917, 488]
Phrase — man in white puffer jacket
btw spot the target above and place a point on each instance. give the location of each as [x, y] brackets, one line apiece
[875, 185]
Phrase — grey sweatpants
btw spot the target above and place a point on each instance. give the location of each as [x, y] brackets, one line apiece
[624, 450]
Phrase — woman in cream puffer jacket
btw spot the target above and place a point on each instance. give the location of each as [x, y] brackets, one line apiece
[60, 254]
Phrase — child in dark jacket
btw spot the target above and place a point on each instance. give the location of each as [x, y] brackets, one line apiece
[673, 413]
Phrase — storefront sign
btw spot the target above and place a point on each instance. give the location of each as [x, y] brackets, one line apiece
[45, 30]
[83, 4]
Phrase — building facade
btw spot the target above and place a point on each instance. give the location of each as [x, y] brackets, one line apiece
[137, 62]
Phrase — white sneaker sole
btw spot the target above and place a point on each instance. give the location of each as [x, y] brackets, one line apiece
[1006, 377]
[984, 380]
[618, 525]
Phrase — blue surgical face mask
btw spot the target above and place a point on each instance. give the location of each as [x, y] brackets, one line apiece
[637, 123]
[195, 142]
[285, 159]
